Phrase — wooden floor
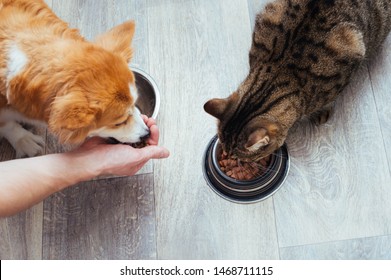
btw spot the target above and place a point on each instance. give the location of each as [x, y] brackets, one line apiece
[335, 204]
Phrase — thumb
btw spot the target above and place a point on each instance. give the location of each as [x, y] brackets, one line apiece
[154, 152]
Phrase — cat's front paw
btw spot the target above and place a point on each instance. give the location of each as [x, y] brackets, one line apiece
[29, 145]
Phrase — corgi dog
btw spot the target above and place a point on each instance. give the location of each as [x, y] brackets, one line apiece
[49, 74]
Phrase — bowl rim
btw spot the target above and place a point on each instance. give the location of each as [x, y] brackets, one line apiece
[249, 200]
[152, 82]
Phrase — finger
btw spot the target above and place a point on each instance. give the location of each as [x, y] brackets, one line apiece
[154, 138]
[144, 117]
[151, 122]
[154, 152]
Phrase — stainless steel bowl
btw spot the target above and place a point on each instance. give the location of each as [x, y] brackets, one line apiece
[148, 100]
[239, 191]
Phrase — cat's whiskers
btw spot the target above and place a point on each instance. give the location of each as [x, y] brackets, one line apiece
[254, 167]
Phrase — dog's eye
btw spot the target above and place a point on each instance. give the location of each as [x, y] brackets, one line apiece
[122, 123]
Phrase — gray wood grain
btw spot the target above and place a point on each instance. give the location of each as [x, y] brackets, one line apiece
[379, 70]
[49, 3]
[339, 184]
[255, 7]
[95, 17]
[199, 50]
[370, 248]
[105, 219]
[21, 234]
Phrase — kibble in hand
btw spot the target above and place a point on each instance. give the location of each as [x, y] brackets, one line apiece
[139, 145]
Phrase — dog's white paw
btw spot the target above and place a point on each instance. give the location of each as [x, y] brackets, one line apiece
[29, 145]
[24, 142]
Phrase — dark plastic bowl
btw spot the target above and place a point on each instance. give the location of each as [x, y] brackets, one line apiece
[249, 191]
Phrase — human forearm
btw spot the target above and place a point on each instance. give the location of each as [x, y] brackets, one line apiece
[25, 182]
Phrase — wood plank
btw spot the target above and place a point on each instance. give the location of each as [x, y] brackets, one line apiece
[370, 248]
[96, 17]
[380, 69]
[21, 234]
[49, 3]
[339, 184]
[199, 50]
[255, 7]
[105, 219]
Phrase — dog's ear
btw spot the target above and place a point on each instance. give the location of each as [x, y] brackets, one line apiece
[118, 40]
[71, 117]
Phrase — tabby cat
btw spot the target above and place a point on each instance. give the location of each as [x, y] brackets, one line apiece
[303, 54]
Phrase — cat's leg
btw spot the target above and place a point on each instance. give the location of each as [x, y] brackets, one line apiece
[323, 115]
[24, 142]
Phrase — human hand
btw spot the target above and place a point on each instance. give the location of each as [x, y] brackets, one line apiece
[120, 159]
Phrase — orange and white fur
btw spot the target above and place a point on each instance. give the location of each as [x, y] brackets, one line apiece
[49, 74]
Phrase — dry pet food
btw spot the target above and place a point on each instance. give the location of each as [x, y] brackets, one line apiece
[243, 170]
[139, 145]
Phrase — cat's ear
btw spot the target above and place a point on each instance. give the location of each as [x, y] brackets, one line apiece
[216, 107]
[347, 39]
[262, 136]
[257, 139]
[220, 107]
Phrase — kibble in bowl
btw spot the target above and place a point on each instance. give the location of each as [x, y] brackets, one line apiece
[244, 171]
[244, 182]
